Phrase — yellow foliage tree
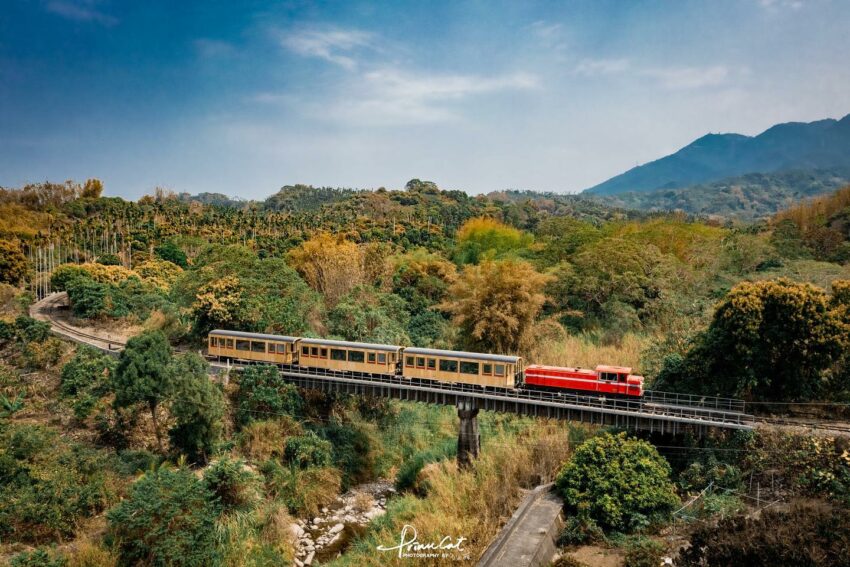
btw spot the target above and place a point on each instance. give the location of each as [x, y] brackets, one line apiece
[218, 301]
[331, 266]
[160, 273]
[496, 304]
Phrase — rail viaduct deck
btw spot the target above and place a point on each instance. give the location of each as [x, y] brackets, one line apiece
[658, 412]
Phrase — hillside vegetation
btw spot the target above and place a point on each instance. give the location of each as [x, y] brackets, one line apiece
[143, 460]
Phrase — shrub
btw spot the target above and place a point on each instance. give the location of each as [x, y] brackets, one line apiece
[407, 477]
[644, 553]
[810, 534]
[618, 482]
[87, 372]
[47, 486]
[231, 483]
[29, 330]
[351, 450]
[263, 395]
[37, 558]
[580, 530]
[262, 440]
[168, 519]
[308, 451]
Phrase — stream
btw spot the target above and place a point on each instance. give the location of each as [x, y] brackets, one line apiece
[327, 535]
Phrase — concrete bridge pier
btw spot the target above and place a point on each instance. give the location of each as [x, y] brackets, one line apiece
[468, 439]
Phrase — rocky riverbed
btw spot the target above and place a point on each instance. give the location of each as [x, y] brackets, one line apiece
[327, 535]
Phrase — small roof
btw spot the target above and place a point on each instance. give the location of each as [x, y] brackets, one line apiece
[346, 344]
[265, 337]
[462, 354]
[615, 369]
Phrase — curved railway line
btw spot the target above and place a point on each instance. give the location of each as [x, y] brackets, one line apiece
[652, 413]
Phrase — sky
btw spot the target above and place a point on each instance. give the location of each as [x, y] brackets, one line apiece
[244, 97]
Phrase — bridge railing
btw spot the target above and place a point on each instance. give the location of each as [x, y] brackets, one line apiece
[563, 399]
[678, 399]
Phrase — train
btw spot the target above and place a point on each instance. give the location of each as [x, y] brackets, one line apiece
[422, 364]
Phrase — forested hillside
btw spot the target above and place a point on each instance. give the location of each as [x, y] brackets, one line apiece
[142, 459]
[790, 146]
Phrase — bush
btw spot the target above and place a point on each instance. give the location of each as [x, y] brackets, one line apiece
[231, 483]
[87, 372]
[308, 451]
[644, 553]
[618, 482]
[580, 530]
[29, 330]
[407, 477]
[351, 450]
[47, 486]
[263, 395]
[168, 519]
[37, 558]
[263, 440]
[811, 534]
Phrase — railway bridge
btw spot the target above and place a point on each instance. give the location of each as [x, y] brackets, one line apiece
[657, 412]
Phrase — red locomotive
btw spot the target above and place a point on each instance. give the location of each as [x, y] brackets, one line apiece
[609, 380]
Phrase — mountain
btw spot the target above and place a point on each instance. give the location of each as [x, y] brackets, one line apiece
[791, 146]
[744, 197]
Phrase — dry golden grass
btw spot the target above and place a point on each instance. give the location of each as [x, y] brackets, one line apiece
[262, 440]
[89, 554]
[474, 504]
[583, 351]
[363, 502]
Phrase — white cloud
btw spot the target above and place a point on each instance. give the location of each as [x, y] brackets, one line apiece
[546, 30]
[80, 11]
[389, 96]
[688, 77]
[792, 4]
[331, 44]
[594, 67]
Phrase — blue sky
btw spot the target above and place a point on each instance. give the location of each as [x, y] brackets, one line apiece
[244, 97]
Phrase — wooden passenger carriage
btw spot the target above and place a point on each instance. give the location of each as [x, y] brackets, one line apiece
[494, 370]
[256, 347]
[348, 356]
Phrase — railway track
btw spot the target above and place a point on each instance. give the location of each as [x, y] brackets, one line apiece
[659, 405]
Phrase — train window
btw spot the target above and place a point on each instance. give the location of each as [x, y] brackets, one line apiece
[432, 364]
[370, 357]
[337, 354]
[356, 356]
[213, 342]
[608, 376]
[243, 345]
[323, 353]
[409, 361]
[488, 369]
[258, 346]
[382, 358]
[305, 350]
[314, 351]
[230, 343]
[420, 362]
[281, 348]
[500, 369]
[448, 365]
[468, 367]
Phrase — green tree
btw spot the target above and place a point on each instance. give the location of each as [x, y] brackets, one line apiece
[86, 378]
[13, 263]
[617, 482]
[263, 395]
[231, 483]
[368, 315]
[144, 375]
[496, 303]
[167, 520]
[769, 340]
[169, 251]
[197, 407]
